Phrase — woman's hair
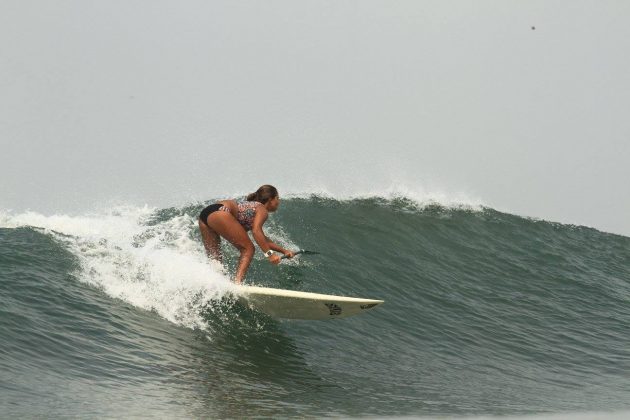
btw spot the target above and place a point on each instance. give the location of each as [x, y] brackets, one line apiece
[263, 194]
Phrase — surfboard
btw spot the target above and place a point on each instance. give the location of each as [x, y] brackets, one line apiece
[292, 304]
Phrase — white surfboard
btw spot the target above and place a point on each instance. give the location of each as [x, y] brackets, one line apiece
[280, 303]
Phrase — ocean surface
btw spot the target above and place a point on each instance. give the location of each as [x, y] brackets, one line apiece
[120, 314]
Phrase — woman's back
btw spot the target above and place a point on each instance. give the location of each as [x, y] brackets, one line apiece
[243, 211]
[246, 213]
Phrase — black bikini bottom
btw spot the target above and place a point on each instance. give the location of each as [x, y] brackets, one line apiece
[203, 216]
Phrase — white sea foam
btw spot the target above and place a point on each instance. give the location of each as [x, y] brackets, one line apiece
[160, 267]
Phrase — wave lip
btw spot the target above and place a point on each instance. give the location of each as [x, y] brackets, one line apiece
[420, 197]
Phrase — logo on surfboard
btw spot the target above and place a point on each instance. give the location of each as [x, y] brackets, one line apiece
[334, 309]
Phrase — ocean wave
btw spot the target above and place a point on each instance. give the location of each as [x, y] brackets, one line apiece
[483, 309]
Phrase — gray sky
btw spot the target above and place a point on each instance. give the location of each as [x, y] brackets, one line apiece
[166, 102]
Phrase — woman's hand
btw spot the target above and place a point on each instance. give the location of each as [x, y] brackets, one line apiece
[274, 259]
[288, 254]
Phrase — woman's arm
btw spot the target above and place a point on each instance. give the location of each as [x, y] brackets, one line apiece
[259, 236]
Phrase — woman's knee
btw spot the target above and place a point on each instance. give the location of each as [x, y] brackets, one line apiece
[246, 249]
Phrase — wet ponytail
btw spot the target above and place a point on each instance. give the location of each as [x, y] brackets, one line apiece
[263, 194]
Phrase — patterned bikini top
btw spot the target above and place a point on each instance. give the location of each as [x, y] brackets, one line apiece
[246, 213]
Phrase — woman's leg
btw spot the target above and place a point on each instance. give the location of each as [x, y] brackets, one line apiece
[212, 242]
[228, 227]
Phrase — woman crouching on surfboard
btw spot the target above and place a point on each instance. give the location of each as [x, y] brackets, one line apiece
[231, 220]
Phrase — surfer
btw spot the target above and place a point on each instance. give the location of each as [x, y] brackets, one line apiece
[231, 220]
